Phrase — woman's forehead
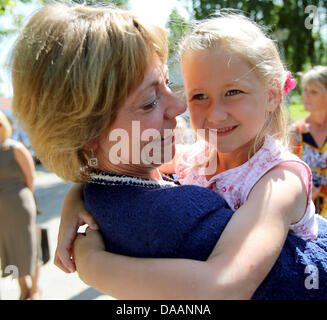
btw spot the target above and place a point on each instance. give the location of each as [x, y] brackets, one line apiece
[313, 85]
[155, 74]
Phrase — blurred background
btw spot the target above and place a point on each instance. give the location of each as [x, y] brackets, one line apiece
[298, 26]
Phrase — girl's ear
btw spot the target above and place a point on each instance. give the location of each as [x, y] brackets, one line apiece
[275, 98]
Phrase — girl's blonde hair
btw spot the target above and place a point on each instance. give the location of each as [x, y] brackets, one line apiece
[248, 40]
[316, 75]
[72, 69]
[6, 131]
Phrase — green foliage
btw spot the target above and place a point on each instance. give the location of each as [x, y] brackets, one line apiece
[7, 5]
[297, 112]
[287, 19]
[177, 28]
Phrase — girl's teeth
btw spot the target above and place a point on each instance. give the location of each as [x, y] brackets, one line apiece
[224, 130]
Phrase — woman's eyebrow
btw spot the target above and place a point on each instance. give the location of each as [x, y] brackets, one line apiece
[154, 83]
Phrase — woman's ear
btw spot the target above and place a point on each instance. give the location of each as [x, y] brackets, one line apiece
[91, 145]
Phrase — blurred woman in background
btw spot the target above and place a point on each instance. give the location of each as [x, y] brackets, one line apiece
[311, 133]
[18, 240]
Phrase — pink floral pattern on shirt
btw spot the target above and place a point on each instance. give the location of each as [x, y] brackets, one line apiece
[234, 185]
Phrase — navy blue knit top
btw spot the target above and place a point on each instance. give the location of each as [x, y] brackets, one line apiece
[148, 218]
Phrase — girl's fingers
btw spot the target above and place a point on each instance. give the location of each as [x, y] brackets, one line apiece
[63, 259]
[61, 266]
[63, 251]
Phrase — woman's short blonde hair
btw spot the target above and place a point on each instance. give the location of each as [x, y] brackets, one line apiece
[72, 69]
[6, 131]
[316, 75]
[250, 41]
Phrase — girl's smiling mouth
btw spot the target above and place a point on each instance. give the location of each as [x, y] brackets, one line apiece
[223, 131]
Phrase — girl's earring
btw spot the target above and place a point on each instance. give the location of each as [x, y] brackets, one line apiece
[93, 161]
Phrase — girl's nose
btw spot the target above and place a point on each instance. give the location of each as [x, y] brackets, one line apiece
[217, 113]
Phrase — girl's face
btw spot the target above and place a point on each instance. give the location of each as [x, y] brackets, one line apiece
[224, 93]
[314, 97]
[150, 108]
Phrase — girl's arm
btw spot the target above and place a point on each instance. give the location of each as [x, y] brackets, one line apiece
[242, 258]
[73, 216]
[25, 162]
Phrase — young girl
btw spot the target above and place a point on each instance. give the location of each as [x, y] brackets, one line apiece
[234, 81]
[234, 93]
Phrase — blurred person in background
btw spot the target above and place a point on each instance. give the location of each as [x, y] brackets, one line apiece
[18, 239]
[310, 134]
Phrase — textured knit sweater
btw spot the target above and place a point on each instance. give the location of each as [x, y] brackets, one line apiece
[147, 218]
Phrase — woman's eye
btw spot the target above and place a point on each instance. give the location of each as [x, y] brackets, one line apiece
[233, 92]
[169, 83]
[200, 96]
[150, 105]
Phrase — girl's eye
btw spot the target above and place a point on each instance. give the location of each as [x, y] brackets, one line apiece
[233, 92]
[200, 96]
[151, 105]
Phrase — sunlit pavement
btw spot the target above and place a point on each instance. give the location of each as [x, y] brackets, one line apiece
[54, 283]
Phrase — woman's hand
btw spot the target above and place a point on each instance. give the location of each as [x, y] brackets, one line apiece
[73, 216]
[86, 244]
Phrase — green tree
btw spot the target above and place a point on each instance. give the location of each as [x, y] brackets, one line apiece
[177, 26]
[289, 21]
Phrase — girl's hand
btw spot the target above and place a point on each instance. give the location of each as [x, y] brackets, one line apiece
[73, 216]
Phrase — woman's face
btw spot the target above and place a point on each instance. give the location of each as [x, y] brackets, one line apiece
[314, 97]
[141, 138]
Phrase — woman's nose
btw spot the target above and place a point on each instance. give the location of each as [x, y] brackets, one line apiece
[175, 107]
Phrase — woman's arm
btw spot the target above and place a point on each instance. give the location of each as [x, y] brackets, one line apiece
[25, 161]
[242, 258]
[73, 216]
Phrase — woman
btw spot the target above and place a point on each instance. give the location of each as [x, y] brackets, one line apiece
[18, 243]
[311, 133]
[91, 87]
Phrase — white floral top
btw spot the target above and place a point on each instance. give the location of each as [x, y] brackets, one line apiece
[234, 185]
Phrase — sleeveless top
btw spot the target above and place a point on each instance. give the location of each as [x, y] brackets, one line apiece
[234, 185]
[11, 176]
